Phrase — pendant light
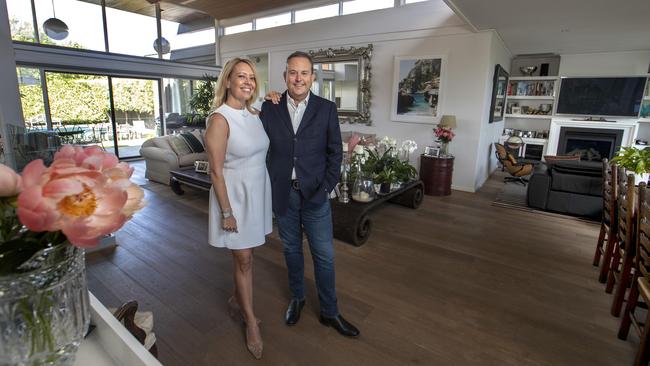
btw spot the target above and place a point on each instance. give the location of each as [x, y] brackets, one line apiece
[55, 28]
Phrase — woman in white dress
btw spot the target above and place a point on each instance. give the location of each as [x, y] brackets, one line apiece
[240, 198]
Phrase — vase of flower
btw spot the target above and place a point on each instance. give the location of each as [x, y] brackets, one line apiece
[444, 136]
[49, 214]
[44, 309]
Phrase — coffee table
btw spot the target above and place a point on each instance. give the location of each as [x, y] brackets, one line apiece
[352, 221]
[189, 177]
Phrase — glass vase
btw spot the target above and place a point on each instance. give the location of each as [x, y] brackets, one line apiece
[444, 148]
[44, 311]
[363, 189]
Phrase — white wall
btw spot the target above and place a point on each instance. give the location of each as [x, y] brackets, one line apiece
[426, 28]
[11, 112]
[605, 64]
[486, 161]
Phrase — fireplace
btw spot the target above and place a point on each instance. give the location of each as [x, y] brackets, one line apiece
[592, 144]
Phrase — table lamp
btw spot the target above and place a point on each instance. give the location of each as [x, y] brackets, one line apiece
[448, 121]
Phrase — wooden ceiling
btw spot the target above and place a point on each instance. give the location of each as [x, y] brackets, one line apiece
[183, 11]
[224, 9]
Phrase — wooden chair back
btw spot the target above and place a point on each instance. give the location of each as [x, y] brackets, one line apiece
[626, 211]
[609, 193]
[643, 233]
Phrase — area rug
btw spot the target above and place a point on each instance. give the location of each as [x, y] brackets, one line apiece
[513, 195]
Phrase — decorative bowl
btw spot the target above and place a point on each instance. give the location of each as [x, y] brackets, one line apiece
[528, 70]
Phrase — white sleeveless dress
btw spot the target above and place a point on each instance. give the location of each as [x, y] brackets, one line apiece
[247, 183]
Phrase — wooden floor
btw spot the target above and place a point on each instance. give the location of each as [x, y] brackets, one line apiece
[456, 282]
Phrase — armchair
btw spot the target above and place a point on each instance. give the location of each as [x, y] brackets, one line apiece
[517, 170]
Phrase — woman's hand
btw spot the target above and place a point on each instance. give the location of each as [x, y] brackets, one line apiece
[229, 224]
[273, 96]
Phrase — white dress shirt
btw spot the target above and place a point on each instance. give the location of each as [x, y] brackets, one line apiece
[295, 113]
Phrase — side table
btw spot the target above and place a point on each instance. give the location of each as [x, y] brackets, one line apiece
[436, 174]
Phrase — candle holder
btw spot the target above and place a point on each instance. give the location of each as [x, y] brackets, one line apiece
[344, 197]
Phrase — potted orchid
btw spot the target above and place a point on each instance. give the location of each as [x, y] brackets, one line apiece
[49, 214]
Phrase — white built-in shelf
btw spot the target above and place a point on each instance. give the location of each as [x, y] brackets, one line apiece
[644, 120]
[646, 98]
[532, 78]
[542, 97]
[531, 116]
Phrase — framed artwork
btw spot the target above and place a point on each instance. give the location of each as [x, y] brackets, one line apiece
[499, 87]
[201, 166]
[418, 88]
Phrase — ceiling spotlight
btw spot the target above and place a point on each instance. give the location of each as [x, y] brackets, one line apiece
[55, 28]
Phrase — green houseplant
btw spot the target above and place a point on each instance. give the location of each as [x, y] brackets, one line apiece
[634, 160]
[202, 98]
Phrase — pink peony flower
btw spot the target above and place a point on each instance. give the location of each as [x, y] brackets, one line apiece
[85, 193]
[353, 141]
[10, 182]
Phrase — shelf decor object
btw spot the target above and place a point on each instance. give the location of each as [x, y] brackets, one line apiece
[499, 87]
[418, 88]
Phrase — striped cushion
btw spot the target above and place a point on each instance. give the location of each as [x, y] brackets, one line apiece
[194, 143]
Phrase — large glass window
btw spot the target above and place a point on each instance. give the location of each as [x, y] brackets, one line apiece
[358, 6]
[246, 27]
[84, 21]
[273, 21]
[413, 1]
[131, 33]
[136, 106]
[31, 97]
[185, 39]
[317, 13]
[79, 107]
[20, 20]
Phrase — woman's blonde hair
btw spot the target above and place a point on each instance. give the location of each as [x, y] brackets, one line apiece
[221, 94]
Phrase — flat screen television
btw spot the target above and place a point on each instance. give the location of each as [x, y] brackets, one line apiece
[601, 96]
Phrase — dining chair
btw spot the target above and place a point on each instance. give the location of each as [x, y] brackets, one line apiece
[640, 282]
[608, 223]
[624, 251]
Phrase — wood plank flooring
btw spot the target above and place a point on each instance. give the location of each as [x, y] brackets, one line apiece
[456, 282]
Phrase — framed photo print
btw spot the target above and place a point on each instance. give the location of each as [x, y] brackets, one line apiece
[499, 87]
[201, 166]
[418, 88]
[432, 151]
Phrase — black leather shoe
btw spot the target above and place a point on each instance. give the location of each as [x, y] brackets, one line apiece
[341, 325]
[293, 311]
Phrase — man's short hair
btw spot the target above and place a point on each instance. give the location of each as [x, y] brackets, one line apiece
[304, 55]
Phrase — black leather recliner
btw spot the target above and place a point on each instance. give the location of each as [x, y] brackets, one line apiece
[568, 187]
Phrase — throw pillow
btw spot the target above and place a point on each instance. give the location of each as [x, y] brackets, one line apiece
[193, 143]
[198, 133]
[179, 145]
[551, 159]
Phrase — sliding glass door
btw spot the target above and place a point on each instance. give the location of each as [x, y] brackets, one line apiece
[115, 113]
[136, 105]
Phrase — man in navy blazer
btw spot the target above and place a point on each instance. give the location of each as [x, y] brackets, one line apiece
[304, 166]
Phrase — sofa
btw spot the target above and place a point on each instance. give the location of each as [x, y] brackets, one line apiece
[568, 187]
[165, 153]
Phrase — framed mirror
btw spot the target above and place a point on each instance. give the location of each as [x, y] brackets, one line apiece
[499, 88]
[343, 76]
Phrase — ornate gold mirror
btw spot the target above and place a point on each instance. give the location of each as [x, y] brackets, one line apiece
[343, 76]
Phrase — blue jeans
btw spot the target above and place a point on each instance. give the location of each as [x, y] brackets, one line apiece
[316, 221]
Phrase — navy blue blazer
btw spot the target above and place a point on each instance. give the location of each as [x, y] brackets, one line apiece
[315, 150]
